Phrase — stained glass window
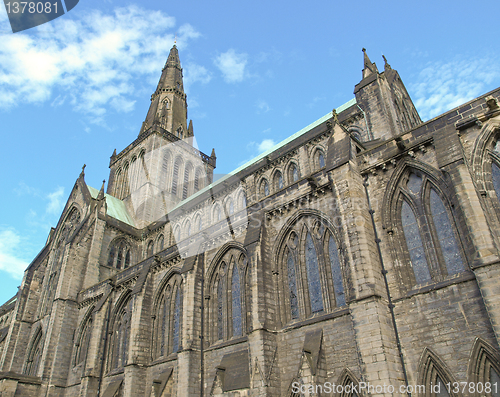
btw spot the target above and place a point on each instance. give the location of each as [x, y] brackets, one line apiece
[220, 309]
[313, 278]
[236, 300]
[231, 207]
[188, 229]
[198, 221]
[338, 286]
[292, 285]
[111, 259]
[177, 321]
[278, 181]
[414, 243]
[161, 242]
[446, 237]
[150, 248]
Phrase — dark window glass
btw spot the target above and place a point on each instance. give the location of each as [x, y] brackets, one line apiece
[150, 248]
[295, 173]
[177, 321]
[336, 272]
[236, 301]
[161, 242]
[414, 243]
[313, 278]
[321, 160]
[447, 241]
[127, 259]
[111, 259]
[292, 285]
[220, 309]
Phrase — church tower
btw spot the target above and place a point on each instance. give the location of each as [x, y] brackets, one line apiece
[383, 98]
[161, 167]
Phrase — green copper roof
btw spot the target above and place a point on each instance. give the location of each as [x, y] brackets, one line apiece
[116, 207]
[275, 147]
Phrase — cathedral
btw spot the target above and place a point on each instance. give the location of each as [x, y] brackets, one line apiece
[358, 257]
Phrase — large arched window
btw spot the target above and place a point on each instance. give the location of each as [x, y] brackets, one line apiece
[119, 254]
[168, 318]
[34, 354]
[83, 341]
[484, 370]
[227, 291]
[311, 270]
[428, 230]
[120, 335]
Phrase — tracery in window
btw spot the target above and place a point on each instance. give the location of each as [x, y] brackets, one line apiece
[236, 300]
[119, 254]
[168, 319]
[428, 230]
[312, 268]
[414, 243]
[118, 355]
[34, 354]
[83, 341]
[484, 367]
[227, 310]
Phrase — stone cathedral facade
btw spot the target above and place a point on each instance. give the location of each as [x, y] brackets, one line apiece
[363, 251]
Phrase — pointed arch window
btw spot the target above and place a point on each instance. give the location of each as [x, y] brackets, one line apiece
[278, 181]
[34, 354]
[293, 173]
[227, 290]
[82, 344]
[319, 158]
[119, 254]
[168, 319]
[161, 242]
[188, 228]
[120, 342]
[431, 239]
[150, 250]
[264, 188]
[199, 223]
[312, 268]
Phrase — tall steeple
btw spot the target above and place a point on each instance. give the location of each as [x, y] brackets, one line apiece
[168, 107]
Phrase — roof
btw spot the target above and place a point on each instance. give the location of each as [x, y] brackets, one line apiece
[271, 150]
[116, 207]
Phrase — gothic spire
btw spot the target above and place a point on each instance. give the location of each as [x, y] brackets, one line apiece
[168, 107]
[369, 67]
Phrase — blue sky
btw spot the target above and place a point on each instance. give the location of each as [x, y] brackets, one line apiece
[74, 89]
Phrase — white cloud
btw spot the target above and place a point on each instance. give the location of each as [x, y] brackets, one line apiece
[266, 144]
[232, 66]
[56, 202]
[10, 246]
[195, 73]
[96, 56]
[443, 86]
[262, 106]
